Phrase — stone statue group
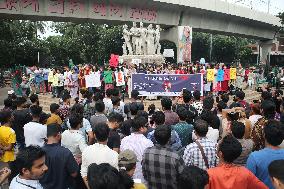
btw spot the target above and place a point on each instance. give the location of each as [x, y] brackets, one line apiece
[141, 40]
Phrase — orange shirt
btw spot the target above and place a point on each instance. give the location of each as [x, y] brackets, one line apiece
[227, 176]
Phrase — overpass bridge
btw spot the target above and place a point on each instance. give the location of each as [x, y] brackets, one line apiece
[214, 16]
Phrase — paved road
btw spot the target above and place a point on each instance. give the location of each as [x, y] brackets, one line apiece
[3, 95]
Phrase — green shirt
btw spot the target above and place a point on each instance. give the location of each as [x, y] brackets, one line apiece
[108, 77]
[184, 131]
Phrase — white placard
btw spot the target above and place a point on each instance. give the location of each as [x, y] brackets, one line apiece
[93, 80]
[136, 61]
[169, 53]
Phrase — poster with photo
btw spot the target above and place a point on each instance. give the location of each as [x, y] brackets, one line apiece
[184, 43]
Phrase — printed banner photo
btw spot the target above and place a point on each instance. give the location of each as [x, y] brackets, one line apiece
[166, 84]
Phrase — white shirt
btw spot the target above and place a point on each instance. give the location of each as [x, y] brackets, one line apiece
[108, 105]
[212, 134]
[74, 141]
[35, 133]
[253, 119]
[98, 153]
[18, 183]
[85, 129]
[137, 143]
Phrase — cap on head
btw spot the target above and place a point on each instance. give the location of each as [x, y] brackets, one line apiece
[127, 157]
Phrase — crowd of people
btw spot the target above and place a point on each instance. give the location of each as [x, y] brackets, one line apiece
[102, 142]
[75, 78]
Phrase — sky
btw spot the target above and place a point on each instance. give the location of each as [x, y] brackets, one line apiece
[276, 6]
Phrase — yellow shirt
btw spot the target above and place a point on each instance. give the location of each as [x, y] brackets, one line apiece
[54, 119]
[139, 186]
[7, 137]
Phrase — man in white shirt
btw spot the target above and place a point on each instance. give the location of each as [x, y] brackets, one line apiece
[107, 101]
[137, 143]
[86, 127]
[99, 152]
[34, 132]
[31, 164]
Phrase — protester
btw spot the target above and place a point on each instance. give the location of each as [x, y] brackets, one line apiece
[259, 161]
[21, 117]
[54, 117]
[86, 128]
[183, 129]
[127, 162]
[171, 118]
[34, 132]
[257, 133]
[73, 138]
[31, 167]
[238, 131]
[114, 121]
[276, 172]
[7, 137]
[99, 116]
[137, 143]
[161, 157]
[159, 120]
[198, 105]
[193, 178]
[59, 160]
[255, 114]
[202, 152]
[103, 153]
[226, 174]
[102, 176]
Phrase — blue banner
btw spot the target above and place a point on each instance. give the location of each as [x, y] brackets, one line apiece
[166, 84]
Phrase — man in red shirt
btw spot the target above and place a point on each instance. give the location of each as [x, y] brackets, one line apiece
[228, 175]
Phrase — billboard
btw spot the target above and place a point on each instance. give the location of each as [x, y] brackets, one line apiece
[184, 43]
[166, 84]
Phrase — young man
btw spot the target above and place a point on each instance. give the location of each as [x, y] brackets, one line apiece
[34, 132]
[73, 138]
[86, 128]
[238, 131]
[30, 162]
[7, 137]
[114, 122]
[137, 143]
[99, 116]
[103, 153]
[193, 154]
[107, 101]
[64, 109]
[259, 161]
[228, 175]
[34, 100]
[268, 110]
[276, 172]
[21, 117]
[193, 178]
[159, 120]
[54, 117]
[160, 164]
[61, 162]
[171, 118]
[198, 105]
[127, 161]
[183, 129]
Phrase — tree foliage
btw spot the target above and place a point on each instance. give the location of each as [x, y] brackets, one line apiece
[93, 43]
[225, 49]
[281, 16]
